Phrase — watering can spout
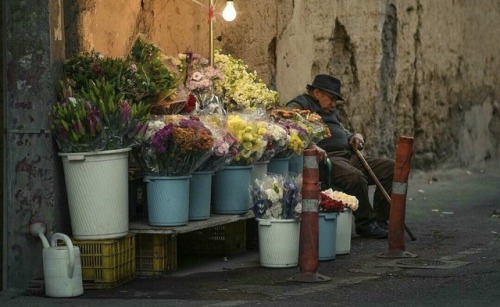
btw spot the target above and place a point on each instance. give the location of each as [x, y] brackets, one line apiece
[38, 229]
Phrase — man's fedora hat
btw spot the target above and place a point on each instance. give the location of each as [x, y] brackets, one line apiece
[328, 84]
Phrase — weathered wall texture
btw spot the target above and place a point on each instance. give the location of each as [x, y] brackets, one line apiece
[34, 183]
[423, 68]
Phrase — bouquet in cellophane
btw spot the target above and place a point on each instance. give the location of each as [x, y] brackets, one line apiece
[225, 143]
[276, 196]
[175, 146]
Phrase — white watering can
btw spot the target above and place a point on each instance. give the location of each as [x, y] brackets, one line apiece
[62, 267]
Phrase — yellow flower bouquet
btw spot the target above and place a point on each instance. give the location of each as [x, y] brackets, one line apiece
[250, 136]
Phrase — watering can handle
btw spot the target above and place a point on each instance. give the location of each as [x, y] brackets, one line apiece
[69, 245]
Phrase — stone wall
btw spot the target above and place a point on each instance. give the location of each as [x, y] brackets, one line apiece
[422, 68]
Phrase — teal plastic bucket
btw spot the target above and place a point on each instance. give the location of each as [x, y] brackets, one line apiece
[278, 166]
[200, 192]
[168, 200]
[327, 235]
[296, 164]
[230, 190]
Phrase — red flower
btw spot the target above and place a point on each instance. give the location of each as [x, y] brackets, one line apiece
[190, 104]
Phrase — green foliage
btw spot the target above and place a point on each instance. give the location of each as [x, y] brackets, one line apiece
[105, 102]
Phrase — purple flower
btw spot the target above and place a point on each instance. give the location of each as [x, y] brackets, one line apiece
[92, 120]
[124, 107]
[160, 137]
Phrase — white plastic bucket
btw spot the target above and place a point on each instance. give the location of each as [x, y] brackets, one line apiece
[279, 243]
[97, 188]
[344, 232]
[62, 268]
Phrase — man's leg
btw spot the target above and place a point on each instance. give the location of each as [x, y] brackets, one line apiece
[384, 171]
[353, 182]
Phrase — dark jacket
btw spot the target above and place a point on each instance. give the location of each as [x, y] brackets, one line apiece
[339, 141]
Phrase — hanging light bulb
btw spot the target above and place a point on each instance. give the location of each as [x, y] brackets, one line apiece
[229, 13]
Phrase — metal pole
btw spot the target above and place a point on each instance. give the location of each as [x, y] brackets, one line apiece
[211, 15]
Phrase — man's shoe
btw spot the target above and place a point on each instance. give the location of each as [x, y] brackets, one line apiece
[384, 224]
[371, 230]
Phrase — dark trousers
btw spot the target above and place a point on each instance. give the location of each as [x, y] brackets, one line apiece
[349, 175]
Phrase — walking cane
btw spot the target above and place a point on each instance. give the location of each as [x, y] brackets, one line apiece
[379, 185]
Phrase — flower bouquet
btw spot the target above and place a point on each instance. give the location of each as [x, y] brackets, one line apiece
[142, 77]
[96, 118]
[240, 88]
[314, 125]
[175, 146]
[225, 144]
[299, 137]
[198, 78]
[275, 197]
[150, 79]
[336, 201]
[277, 138]
[250, 136]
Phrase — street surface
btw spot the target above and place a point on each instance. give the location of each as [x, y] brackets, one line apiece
[454, 214]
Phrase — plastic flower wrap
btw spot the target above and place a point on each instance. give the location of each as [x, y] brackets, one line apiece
[251, 138]
[225, 144]
[240, 88]
[177, 145]
[198, 79]
[336, 201]
[299, 130]
[275, 196]
[277, 140]
[314, 124]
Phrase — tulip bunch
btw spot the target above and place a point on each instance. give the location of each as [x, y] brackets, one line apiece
[96, 119]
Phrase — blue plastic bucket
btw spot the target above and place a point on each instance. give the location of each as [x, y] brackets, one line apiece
[230, 190]
[327, 235]
[296, 164]
[200, 191]
[278, 166]
[168, 200]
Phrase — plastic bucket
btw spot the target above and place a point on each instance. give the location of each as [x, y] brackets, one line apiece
[344, 232]
[97, 189]
[279, 243]
[168, 200]
[296, 164]
[230, 190]
[278, 166]
[327, 235]
[200, 191]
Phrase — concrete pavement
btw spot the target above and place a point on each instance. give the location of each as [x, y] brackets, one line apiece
[451, 212]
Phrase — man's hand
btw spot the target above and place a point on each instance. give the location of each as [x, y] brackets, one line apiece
[320, 153]
[357, 141]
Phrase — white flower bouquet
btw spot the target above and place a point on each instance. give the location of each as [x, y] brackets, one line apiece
[275, 196]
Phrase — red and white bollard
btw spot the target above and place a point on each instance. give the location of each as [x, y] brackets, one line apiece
[308, 245]
[398, 201]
